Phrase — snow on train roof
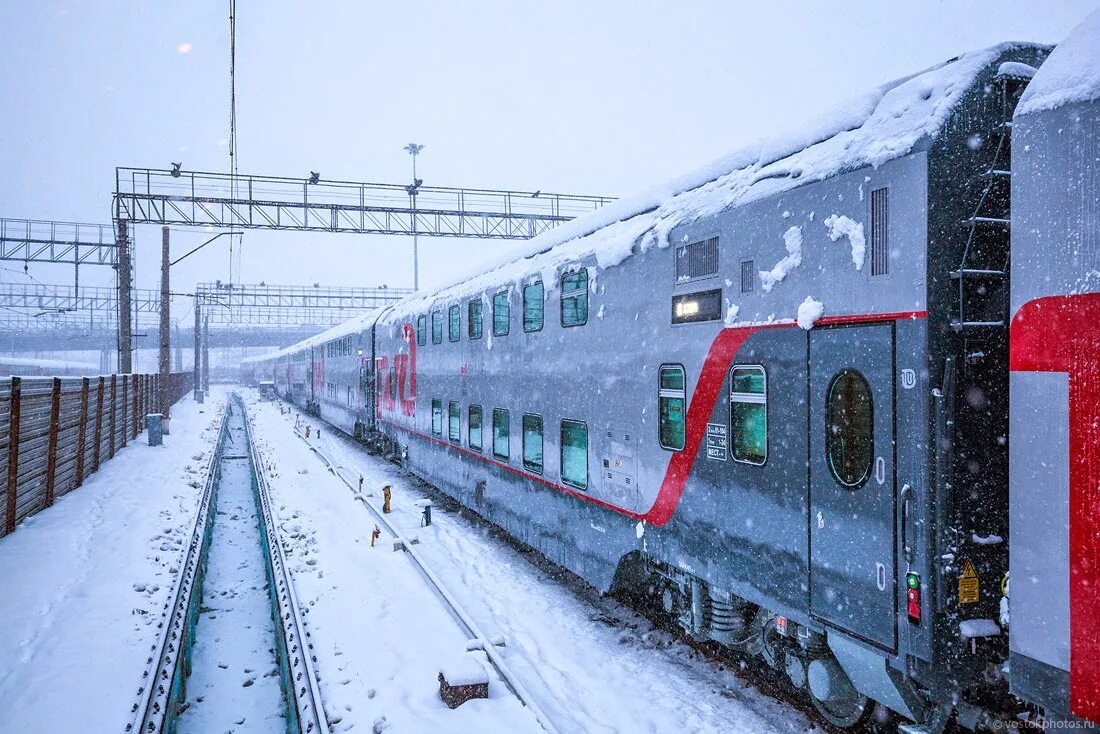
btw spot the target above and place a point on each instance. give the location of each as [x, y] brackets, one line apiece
[351, 326]
[884, 124]
[1070, 74]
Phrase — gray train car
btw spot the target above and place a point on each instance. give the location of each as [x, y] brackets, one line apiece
[1055, 411]
[774, 403]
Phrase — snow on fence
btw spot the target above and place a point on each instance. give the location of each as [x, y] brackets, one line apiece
[57, 431]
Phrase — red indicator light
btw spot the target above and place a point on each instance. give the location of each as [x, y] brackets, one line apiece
[913, 596]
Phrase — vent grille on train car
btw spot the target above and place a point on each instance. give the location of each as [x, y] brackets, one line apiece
[697, 260]
[748, 276]
[880, 220]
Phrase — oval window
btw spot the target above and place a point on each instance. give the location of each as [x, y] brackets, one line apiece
[849, 428]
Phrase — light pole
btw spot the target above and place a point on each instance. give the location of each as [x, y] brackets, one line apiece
[414, 150]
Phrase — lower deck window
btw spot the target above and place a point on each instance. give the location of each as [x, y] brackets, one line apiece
[437, 416]
[532, 442]
[501, 433]
[749, 414]
[454, 422]
[474, 428]
[671, 407]
[574, 453]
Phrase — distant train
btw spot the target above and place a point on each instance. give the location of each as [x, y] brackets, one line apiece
[776, 398]
[31, 367]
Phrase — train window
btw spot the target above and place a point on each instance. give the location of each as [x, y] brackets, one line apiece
[748, 276]
[849, 428]
[532, 442]
[574, 298]
[533, 294]
[749, 414]
[421, 330]
[454, 324]
[437, 327]
[501, 433]
[474, 428]
[437, 416]
[454, 422]
[473, 319]
[574, 453]
[880, 242]
[501, 314]
[671, 407]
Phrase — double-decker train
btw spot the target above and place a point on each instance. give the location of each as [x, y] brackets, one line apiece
[812, 402]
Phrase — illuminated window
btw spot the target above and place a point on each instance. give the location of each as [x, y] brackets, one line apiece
[574, 298]
[749, 413]
[671, 407]
[533, 306]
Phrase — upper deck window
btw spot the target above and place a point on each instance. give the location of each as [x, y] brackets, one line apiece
[454, 324]
[437, 327]
[501, 314]
[473, 319]
[421, 330]
[533, 311]
[574, 298]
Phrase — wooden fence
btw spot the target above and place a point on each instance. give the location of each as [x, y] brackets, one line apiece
[56, 431]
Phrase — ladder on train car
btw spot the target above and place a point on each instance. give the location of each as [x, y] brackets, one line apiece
[983, 270]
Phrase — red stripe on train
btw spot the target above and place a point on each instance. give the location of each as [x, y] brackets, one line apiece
[713, 373]
[1062, 334]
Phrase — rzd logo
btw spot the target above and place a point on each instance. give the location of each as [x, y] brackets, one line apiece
[398, 383]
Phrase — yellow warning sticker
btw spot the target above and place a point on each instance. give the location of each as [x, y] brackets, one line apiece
[968, 584]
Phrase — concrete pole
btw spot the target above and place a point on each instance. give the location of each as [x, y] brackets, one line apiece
[197, 366]
[165, 323]
[123, 274]
[206, 354]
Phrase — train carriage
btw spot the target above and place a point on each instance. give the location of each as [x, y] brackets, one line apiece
[1055, 413]
[753, 420]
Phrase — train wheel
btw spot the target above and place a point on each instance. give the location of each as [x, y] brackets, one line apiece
[851, 713]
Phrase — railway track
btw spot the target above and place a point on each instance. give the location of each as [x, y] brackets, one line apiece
[162, 695]
[462, 618]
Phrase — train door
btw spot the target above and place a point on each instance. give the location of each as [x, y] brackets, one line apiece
[852, 529]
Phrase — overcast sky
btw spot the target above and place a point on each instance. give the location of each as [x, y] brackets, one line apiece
[579, 97]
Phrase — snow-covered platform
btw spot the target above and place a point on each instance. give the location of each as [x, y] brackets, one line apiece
[382, 634]
[83, 584]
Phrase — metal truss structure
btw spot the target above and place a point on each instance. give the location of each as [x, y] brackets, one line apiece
[47, 299]
[235, 314]
[154, 196]
[38, 241]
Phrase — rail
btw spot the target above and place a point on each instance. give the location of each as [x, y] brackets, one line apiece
[297, 658]
[460, 615]
[163, 689]
[57, 431]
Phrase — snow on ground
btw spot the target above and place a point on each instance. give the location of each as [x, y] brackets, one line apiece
[380, 635]
[592, 664]
[234, 683]
[85, 582]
